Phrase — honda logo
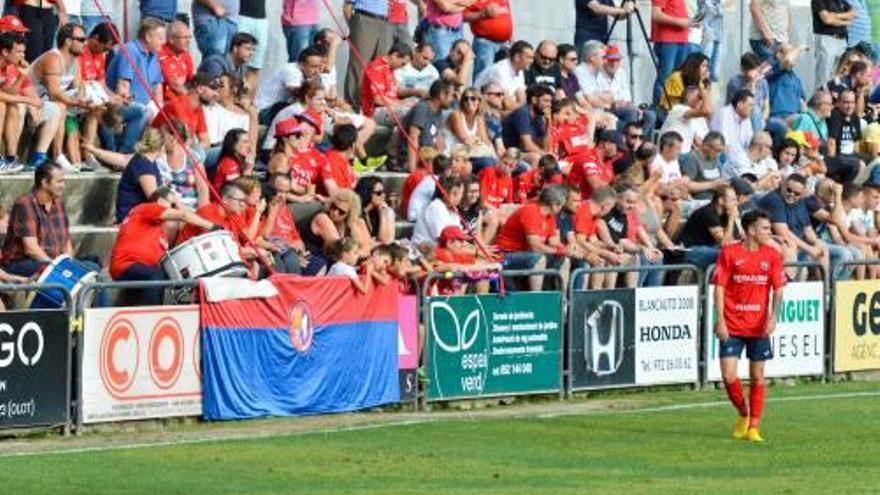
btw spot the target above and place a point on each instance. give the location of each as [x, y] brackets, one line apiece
[603, 339]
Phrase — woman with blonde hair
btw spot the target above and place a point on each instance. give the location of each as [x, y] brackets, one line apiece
[141, 176]
[341, 217]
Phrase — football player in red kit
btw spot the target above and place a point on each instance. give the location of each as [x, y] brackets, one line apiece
[745, 317]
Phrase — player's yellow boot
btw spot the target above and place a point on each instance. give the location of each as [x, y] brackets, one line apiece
[753, 435]
[741, 427]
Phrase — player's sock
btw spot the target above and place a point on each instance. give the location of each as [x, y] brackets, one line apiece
[735, 394]
[756, 403]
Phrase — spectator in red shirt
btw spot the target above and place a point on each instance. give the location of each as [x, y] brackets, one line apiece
[176, 61]
[398, 19]
[586, 237]
[379, 88]
[233, 158]
[529, 183]
[228, 213]
[669, 32]
[592, 170]
[189, 111]
[571, 134]
[288, 250]
[530, 240]
[337, 172]
[496, 183]
[455, 253]
[492, 25]
[142, 241]
[16, 90]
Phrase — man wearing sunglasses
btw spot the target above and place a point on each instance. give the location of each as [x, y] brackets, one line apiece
[546, 70]
[790, 218]
[56, 78]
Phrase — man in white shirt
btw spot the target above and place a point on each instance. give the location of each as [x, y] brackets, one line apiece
[510, 74]
[416, 77]
[282, 85]
[613, 80]
[666, 161]
[587, 74]
[760, 163]
[688, 119]
[734, 123]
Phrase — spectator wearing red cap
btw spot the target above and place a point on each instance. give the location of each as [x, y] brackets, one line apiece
[456, 253]
[298, 157]
[492, 25]
[613, 80]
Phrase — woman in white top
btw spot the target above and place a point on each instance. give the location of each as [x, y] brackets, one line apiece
[442, 212]
[467, 127]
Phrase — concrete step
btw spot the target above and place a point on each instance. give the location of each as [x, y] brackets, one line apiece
[89, 198]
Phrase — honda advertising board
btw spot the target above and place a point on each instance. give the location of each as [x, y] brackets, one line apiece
[492, 345]
[634, 337]
[798, 342]
[141, 363]
[34, 367]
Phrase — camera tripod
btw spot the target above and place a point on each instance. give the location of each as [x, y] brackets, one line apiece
[629, 43]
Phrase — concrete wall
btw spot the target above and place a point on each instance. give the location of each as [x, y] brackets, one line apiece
[540, 19]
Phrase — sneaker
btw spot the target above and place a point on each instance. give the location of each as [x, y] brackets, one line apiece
[90, 164]
[741, 428]
[65, 164]
[372, 163]
[14, 166]
[753, 435]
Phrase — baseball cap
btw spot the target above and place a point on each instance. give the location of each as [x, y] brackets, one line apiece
[812, 140]
[305, 118]
[742, 187]
[612, 52]
[287, 127]
[452, 233]
[12, 23]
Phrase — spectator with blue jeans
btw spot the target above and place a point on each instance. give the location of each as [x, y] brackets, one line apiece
[445, 24]
[215, 22]
[669, 32]
[710, 227]
[712, 12]
[492, 25]
[787, 97]
[299, 21]
[126, 82]
[770, 21]
[164, 10]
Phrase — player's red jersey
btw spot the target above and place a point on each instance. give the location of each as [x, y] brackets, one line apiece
[747, 277]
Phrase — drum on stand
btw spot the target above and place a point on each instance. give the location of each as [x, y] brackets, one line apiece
[64, 271]
[214, 254]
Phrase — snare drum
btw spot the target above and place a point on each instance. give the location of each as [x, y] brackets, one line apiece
[64, 271]
[214, 254]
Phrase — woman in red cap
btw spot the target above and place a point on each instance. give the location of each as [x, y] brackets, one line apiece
[289, 137]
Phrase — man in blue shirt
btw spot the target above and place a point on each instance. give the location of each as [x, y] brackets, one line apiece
[126, 81]
[526, 127]
[792, 226]
[786, 90]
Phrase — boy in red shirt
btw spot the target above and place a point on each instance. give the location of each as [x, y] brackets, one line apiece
[745, 318]
[337, 172]
[455, 254]
[496, 183]
[530, 182]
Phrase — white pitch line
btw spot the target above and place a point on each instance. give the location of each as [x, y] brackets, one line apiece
[411, 422]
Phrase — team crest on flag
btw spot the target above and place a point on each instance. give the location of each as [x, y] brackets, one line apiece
[301, 328]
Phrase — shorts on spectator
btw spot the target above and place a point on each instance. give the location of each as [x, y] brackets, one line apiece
[259, 29]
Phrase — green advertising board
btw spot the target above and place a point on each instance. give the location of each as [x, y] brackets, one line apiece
[483, 345]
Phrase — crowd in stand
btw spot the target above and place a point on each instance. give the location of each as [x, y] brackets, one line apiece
[518, 155]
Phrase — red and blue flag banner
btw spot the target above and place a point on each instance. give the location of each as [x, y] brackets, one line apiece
[319, 346]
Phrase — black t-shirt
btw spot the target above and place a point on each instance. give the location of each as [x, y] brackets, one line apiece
[845, 131]
[834, 6]
[696, 229]
[617, 223]
[565, 224]
[551, 77]
[588, 24]
[255, 9]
